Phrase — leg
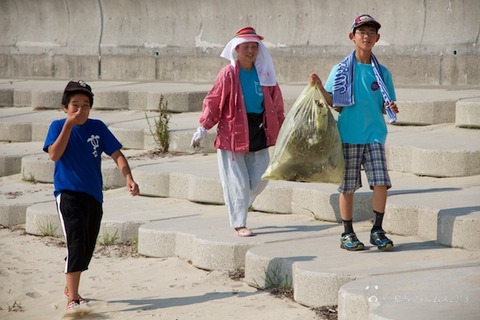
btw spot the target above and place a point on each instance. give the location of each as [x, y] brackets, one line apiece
[375, 164]
[379, 199]
[73, 282]
[346, 206]
[257, 162]
[236, 186]
[72, 214]
[379, 180]
[351, 182]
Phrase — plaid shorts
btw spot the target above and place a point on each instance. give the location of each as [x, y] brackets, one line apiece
[372, 157]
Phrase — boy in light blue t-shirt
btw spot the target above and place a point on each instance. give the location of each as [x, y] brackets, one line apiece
[358, 87]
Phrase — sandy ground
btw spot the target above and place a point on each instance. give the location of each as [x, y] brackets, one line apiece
[122, 285]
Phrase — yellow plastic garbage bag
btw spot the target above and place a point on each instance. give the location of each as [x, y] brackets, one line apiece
[308, 147]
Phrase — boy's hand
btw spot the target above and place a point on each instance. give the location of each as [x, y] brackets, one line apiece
[133, 188]
[78, 117]
[315, 80]
[393, 106]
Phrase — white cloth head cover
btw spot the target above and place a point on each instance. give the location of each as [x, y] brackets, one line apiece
[263, 63]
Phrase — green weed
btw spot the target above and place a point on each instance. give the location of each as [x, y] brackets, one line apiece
[47, 228]
[159, 130]
[107, 239]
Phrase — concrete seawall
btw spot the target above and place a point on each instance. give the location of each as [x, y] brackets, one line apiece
[429, 42]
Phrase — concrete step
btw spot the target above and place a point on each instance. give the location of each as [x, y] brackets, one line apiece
[173, 219]
[439, 150]
[467, 113]
[11, 155]
[16, 195]
[418, 106]
[449, 293]
[292, 250]
[321, 274]
[417, 206]
[109, 95]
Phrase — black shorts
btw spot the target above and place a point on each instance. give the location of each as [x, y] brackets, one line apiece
[80, 216]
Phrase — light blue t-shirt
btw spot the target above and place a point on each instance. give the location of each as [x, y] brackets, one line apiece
[363, 122]
[252, 90]
[79, 168]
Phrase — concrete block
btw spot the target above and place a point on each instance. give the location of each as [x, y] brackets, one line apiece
[47, 100]
[138, 67]
[276, 199]
[42, 220]
[131, 138]
[6, 98]
[436, 293]
[17, 195]
[39, 131]
[38, 168]
[152, 185]
[445, 163]
[399, 158]
[76, 66]
[179, 185]
[111, 100]
[205, 190]
[425, 112]
[155, 244]
[402, 220]
[467, 113]
[15, 132]
[22, 98]
[458, 227]
[120, 231]
[213, 255]
[12, 214]
[263, 273]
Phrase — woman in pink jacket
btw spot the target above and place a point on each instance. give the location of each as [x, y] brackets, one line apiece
[246, 104]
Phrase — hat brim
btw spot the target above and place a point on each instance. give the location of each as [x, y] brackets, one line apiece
[88, 92]
[249, 36]
[374, 24]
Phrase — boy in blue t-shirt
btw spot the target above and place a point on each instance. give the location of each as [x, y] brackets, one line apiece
[358, 88]
[76, 144]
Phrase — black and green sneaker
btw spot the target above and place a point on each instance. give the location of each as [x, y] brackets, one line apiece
[350, 242]
[379, 239]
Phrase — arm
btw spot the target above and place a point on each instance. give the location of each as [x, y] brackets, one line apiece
[315, 81]
[124, 168]
[56, 149]
[216, 99]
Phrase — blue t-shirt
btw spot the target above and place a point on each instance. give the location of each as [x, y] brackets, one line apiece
[252, 90]
[79, 168]
[363, 122]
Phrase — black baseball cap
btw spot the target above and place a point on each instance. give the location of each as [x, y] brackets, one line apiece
[79, 85]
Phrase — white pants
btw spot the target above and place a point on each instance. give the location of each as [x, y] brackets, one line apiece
[240, 175]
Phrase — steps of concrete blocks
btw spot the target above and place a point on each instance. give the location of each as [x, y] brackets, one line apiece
[173, 219]
[442, 150]
[412, 212]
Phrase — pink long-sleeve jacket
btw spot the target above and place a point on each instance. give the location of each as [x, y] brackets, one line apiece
[224, 105]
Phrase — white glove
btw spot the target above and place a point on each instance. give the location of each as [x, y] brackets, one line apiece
[198, 136]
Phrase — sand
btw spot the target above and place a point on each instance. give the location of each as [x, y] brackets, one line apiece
[122, 285]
